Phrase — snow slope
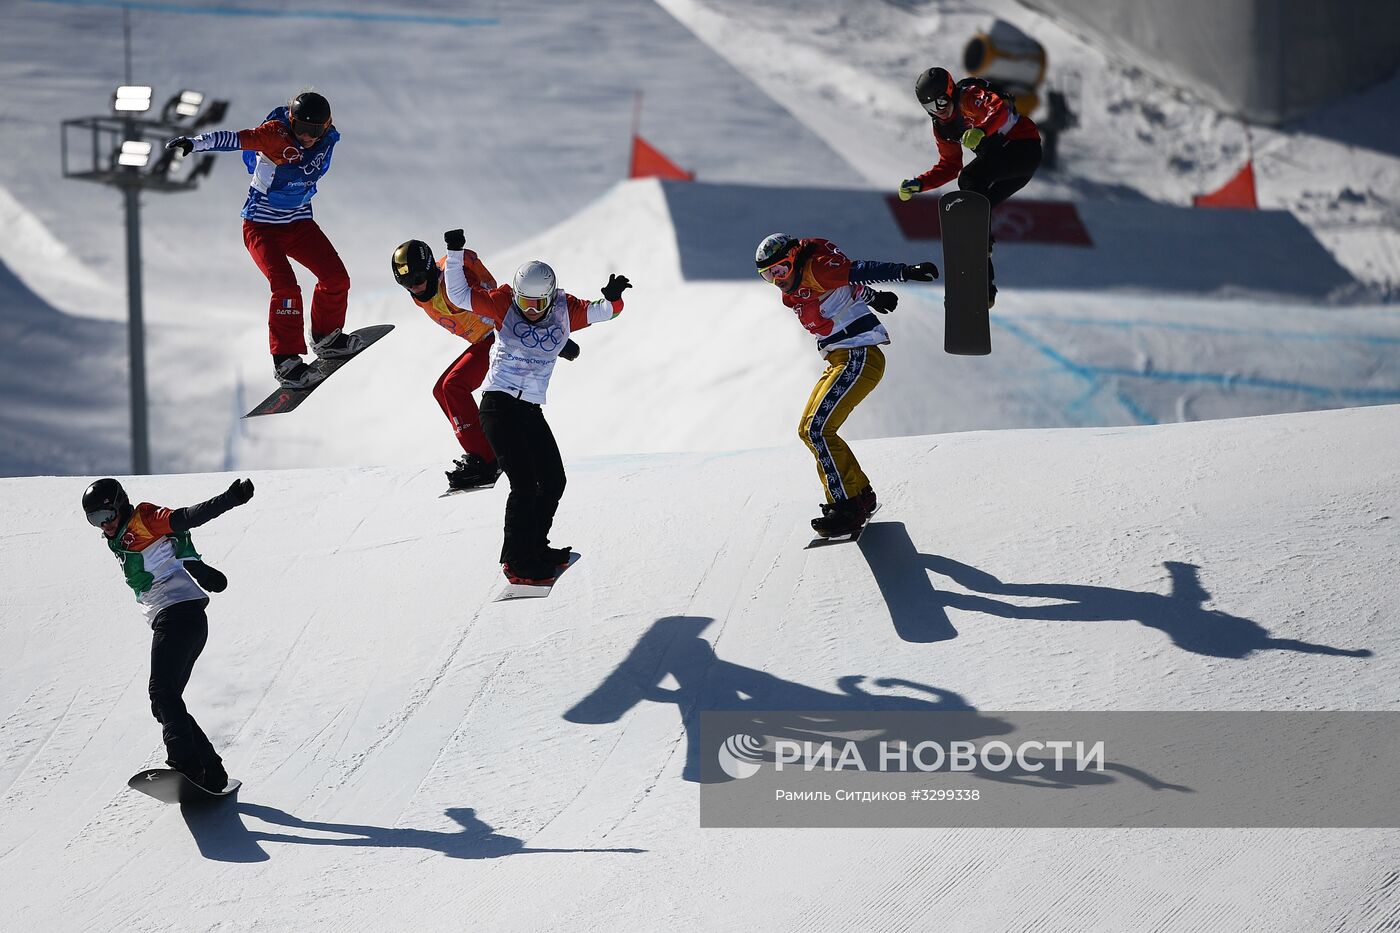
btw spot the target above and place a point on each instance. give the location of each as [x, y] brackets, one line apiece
[444, 125]
[416, 756]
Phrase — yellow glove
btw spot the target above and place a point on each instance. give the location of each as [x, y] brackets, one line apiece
[910, 187]
[972, 137]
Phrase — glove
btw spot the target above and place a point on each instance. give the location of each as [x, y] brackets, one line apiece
[909, 187]
[183, 143]
[616, 283]
[210, 579]
[241, 491]
[884, 302]
[921, 272]
[972, 137]
[455, 239]
[570, 351]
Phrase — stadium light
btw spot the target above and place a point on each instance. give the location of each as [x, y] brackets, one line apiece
[132, 98]
[182, 106]
[123, 150]
[134, 153]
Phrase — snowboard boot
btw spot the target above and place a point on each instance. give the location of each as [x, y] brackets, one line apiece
[529, 572]
[292, 373]
[471, 471]
[991, 283]
[558, 556]
[840, 518]
[867, 501]
[215, 778]
[336, 345]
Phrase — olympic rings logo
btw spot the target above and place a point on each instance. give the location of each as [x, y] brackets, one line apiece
[532, 337]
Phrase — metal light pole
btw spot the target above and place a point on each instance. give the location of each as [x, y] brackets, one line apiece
[135, 329]
[121, 155]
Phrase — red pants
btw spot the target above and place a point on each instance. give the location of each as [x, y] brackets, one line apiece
[271, 245]
[454, 393]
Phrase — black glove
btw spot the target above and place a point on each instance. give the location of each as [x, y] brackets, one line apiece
[241, 491]
[455, 239]
[884, 302]
[570, 351]
[182, 143]
[616, 283]
[921, 272]
[212, 580]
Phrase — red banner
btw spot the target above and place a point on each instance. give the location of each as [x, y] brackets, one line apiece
[1014, 221]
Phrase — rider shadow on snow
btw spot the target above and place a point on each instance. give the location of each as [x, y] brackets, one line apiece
[673, 648]
[917, 608]
[221, 835]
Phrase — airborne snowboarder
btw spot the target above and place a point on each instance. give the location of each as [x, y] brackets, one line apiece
[533, 319]
[830, 297]
[287, 155]
[420, 274]
[162, 567]
[970, 113]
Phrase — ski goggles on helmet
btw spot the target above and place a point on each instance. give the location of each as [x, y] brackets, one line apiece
[415, 278]
[777, 271]
[99, 517]
[533, 305]
[309, 128]
[932, 107]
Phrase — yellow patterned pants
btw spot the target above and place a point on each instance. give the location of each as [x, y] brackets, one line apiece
[850, 376]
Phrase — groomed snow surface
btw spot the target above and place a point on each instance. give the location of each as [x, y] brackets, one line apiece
[416, 756]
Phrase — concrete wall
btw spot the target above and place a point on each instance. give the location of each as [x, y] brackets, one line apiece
[1265, 60]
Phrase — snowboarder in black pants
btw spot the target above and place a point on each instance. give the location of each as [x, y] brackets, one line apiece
[162, 568]
[533, 318]
[970, 113]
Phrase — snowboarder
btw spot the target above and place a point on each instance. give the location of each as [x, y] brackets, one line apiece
[416, 269]
[533, 319]
[287, 155]
[831, 298]
[970, 113]
[162, 567]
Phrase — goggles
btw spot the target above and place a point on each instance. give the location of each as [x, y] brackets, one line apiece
[777, 271]
[415, 280]
[932, 107]
[99, 517]
[307, 128]
[533, 305]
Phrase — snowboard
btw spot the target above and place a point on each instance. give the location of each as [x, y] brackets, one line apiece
[525, 591]
[819, 541]
[965, 218]
[458, 492]
[170, 786]
[283, 399]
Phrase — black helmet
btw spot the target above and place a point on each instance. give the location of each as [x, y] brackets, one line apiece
[310, 114]
[104, 500]
[413, 263]
[933, 86]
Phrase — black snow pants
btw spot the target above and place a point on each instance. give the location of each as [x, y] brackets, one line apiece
[529, 456]
[999, 171]
[178, 634]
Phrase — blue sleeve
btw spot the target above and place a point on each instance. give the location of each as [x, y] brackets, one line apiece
[866, 270]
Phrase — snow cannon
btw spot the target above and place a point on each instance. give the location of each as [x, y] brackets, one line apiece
[1010, 61]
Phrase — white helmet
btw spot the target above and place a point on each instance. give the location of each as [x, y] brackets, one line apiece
[534, 287]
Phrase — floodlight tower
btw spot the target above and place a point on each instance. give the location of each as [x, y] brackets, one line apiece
[121, 155]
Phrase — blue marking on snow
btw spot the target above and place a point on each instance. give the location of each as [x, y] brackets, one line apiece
[1089, 374]
[225, 9]
[1094, 375]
